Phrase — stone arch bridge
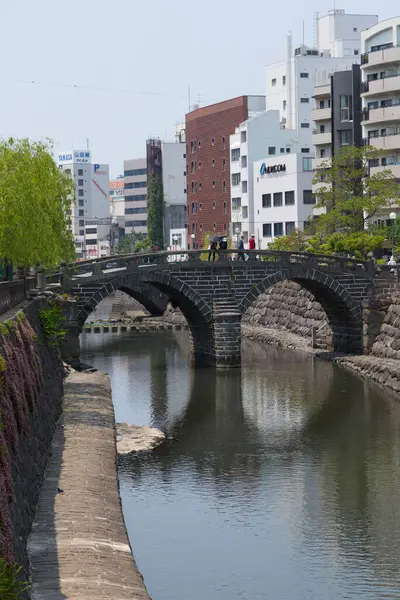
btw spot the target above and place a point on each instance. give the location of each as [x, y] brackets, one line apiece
[213, 296]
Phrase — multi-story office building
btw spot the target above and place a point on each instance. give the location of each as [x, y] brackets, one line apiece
[380, 92]
[135, 190]
[208, 164]
[290, 83]
[91, 195]
[117, 198]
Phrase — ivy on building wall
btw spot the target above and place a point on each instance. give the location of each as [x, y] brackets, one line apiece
[155, 210]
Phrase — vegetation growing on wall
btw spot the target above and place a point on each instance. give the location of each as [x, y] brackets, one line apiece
[21, 380]
[34, 199]
[11, 588]
[51, 322]
[155, 211]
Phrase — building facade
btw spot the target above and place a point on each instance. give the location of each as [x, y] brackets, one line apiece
[208, 179]
[380, 92]
[135, 191]
[283, 197]
[290, 83]
[91, 196]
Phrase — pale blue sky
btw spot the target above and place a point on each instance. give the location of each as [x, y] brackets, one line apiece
[152, 46]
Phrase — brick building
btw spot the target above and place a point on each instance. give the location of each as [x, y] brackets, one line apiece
[208, 165]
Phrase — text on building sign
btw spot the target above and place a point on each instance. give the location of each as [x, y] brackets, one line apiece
[273, 169]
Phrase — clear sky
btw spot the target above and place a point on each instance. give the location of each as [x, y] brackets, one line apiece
[149, 52]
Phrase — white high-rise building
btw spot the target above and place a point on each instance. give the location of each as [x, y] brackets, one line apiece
[91, 198]
[290, 83]
[288, 129]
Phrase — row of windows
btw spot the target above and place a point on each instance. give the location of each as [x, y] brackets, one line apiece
[200, 187]
[136, 211]
[91, 242]
[196, 227]
[196, 145]
[138, 198]
[135, 185]
[135, 172]
[196, 207]
[278, 229]
[135, 223]
[276, 199]
[194, 166]
[90, 230]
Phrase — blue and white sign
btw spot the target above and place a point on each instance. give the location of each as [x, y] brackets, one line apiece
[82, 156]
[274, 169]
[64, 158]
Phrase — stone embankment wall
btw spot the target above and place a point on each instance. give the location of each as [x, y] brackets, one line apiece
[31, 375]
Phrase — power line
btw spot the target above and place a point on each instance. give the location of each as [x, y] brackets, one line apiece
[91, 88]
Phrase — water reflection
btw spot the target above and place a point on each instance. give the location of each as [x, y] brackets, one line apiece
[282, 480]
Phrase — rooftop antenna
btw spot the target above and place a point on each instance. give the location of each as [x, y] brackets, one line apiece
[316, 31]
[87, 143]
[303, 33]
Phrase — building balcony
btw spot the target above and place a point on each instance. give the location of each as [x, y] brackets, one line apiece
[384, 142]
[322, 91]
[380, 115]
[380, 57]
[322, 139]
[394, 168]
[321, 114]
[318, 162]
[375, 87]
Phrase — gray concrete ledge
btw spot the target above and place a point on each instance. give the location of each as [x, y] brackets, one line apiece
[79, 547]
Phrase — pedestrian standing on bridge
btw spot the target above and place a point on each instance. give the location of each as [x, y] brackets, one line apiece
[212, 249]
[241, 248]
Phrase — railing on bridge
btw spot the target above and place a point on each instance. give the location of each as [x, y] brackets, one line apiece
[14, 292]
[92, 270]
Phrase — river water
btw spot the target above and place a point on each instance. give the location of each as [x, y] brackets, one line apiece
[282, 481]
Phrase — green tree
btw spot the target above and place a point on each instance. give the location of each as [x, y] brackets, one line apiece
[296, 241]
[133, 242]
[35, 197]
[348, 194]
[155, 210]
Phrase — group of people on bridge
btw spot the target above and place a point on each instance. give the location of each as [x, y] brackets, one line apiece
[222, 244]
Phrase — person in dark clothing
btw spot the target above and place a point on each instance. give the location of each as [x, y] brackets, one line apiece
[212, 250]
[223, 245]
[241, 248]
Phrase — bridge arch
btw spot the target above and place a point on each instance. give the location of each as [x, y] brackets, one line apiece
[344, 314]
[141, 284]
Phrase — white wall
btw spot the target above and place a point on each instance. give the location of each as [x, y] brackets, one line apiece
[293, 179]
[174, 165]
[340, 33]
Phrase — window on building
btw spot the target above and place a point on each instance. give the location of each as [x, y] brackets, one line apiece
[244, 187]
[273, 82]
[213, 141]
[223, 143]
[356, 52]
[267, 230]
[192, 208]
[308, 197]
[346, 107]
[278, 199]
[284, 80]
[235, 154]
[322, 128]
[80, 172]
[224, 164]
[81, 223]
[191, 147]
[135, 185]
[81, 192]
[213, 162]
[266, 200]
[284, 105]
[322, 153]
[278, 229]
[304, 100]
[243, 137]
[235, 179]
[345, 137]
[307, 165]
[213, 183]
[282, 151]
[192, 187]
[304, 75]
[81, 203]
[289, 198]
[91, 242]
[224, 208]
[68, 171]
[354, 29]
[192, 166]
[271, 150]
[289, 227]
[214, 226]
[200, 205]
[244, 162]
[322, 103]
[305, 125]
[224, 186]
[135, 172]
[287, 150]
[80, 182]
[199, 144]
[200, 187]
[81, 232]
[244, 212]
[236, 203]
[305, 150]
[91, 230]
[81, 213]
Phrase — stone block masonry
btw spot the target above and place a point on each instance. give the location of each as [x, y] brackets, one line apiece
[79, 546]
